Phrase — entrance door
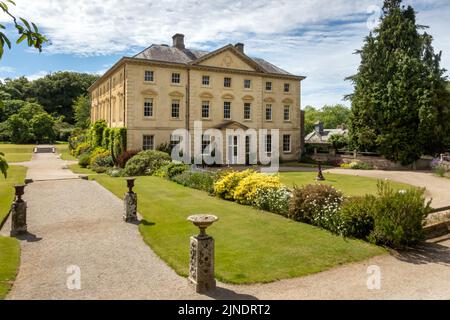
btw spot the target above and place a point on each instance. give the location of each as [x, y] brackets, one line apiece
[233, 147]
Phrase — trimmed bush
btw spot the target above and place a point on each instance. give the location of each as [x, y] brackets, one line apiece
[226, 185]
[146, 163]
[84, 160]
[398, 216]
[196, 180]
[97, 133]
[100, 158]
[356, 217]
[118, 142]
[245, 192]
[171, 170]
[82, 148]
[123, 158]
[106, 139]
[273, 200]
[314, 203]
[114, 172]
[357, 165]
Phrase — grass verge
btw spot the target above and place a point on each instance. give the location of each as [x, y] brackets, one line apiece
[17, 152]
[349, 185]
[251, 245]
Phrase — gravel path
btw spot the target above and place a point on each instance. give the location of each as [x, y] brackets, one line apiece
[74, 222]
[437, 188]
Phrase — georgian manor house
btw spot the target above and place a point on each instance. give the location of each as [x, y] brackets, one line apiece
[165, 88]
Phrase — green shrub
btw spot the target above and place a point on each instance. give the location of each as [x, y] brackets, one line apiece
[273, 200]
[101, 157]
[118, 142]
[440, 170]
[245, 192]
[171, 170]
[356, 217]
[123, 158]
[114, 172]
[84, 160]
[362, 166]
[314, 203]
[398, 216]
[97, 133]
[146, 163]
[226, 185]
[106, 139]
[82, 148]
[196, 180]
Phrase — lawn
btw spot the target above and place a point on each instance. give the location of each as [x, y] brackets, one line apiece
[251, 245]
[303, 165]
[349, 185]
[9, 263]
[79, 170]
[17, 152]
[16, 174]
[63, 149]
[9, 247]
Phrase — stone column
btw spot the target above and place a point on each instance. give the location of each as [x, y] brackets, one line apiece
[19, 213]
[130, 202]
[130, 207]
[201, 263]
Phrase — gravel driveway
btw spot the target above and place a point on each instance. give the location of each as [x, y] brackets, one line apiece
[75, 223]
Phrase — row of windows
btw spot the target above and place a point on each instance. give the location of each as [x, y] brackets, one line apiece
[148, 143]
[205, 110]
[206, 81]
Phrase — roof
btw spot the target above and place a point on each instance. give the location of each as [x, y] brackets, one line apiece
[324, 136]
[188, 56]
[163, 53]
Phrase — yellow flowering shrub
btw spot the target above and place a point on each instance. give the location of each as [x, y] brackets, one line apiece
[227, 183]
[246, 191]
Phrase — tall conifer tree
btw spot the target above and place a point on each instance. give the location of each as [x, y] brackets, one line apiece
[400, 105]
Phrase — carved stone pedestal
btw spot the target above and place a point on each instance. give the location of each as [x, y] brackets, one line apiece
[130, 207]
[18, 218]
[201, 266]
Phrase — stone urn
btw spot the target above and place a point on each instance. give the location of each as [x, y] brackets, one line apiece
[202, 221]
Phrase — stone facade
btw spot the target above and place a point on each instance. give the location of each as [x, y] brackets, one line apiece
[124, 94]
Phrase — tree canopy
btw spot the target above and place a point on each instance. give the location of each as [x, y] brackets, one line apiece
[331, 116]
[400, 106]
[56, 92]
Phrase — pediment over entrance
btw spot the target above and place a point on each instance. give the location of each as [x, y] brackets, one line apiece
[231, 125]
[149, 92]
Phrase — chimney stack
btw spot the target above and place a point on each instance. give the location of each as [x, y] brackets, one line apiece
[240, 47]
[178, 41]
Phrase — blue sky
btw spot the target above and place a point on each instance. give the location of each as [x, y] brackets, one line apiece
[311, 38]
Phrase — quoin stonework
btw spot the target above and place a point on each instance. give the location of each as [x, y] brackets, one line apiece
[165, 88]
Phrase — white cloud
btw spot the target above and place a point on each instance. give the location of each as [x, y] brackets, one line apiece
[37, 75]
[6, 69]
[296, 35]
